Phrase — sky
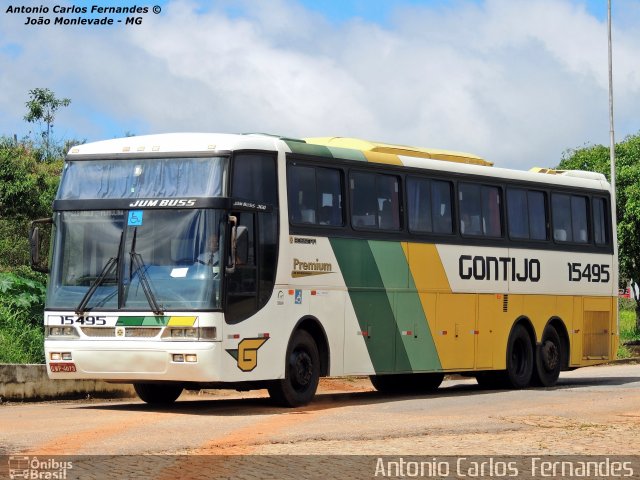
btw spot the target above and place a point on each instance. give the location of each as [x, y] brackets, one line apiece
[517, 82]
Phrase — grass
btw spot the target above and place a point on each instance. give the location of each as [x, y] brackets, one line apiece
[628, 331]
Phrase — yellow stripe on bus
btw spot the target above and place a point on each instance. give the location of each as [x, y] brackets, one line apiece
[387, 158]
[182, 321]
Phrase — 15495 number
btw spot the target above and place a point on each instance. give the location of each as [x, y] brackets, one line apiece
[82, 320]
[590, 272]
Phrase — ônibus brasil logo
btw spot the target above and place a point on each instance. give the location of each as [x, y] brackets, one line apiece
[21, 466]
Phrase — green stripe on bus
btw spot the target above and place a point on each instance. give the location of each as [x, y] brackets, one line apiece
[413, 334]
[371, 303]
[141, 321]
[348, 154]
[308, 149]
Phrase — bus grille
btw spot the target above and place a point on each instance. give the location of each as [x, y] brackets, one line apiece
[130, 332]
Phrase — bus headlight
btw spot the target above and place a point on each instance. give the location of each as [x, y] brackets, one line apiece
[55, 356]
[62, 332]
[189, 333]
[208, 333]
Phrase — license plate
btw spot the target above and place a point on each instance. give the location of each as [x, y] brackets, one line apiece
[62, 367]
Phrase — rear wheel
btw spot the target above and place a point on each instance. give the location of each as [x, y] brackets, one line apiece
[302, 373]
[520, 361]
[548, 359]
[519, 358]
[157, 394]
[407, 383]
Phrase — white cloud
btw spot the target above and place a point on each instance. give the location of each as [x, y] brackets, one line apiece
[515, 81]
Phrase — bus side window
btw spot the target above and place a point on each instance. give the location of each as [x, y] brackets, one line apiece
[526, 214]
[441, 194]
[569, 218]
[254, 178]
[600, 219]
[579, 219]
[560, 208]
[480, 210]
[315, 195]
[375, 201]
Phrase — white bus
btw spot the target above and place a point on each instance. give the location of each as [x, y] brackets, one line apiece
[254, 261]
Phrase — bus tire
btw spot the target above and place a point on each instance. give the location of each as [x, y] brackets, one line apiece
[548, 359]
[407, 383]
[157, 394]
[302, 372]
[519, 358]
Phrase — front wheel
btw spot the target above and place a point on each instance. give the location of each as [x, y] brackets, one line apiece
[157, 394]
[302, 373]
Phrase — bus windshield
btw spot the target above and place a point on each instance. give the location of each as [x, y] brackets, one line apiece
[133, 260]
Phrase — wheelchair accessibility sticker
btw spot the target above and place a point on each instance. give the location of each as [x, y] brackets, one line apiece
[135, 218]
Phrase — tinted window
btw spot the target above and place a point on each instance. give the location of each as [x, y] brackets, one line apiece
[526, 214]
[441, 195]
[579, 219]
[537, 216]
[480, 210]
[569, 218]
[375, 201]
[600, 219]
[517, 214]
[254, 178]
[429, 206]
[315, 195]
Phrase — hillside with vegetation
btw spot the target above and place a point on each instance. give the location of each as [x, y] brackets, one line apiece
[29, 174]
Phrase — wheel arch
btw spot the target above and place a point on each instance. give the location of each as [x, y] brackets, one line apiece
[314, 328]
[528, 325]
[558, 324]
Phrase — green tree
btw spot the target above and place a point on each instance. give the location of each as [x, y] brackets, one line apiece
[41, 109]
[27, 189]
[596, 158]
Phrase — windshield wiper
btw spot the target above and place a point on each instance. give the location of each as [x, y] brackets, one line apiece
[140, 269]
[111, 265]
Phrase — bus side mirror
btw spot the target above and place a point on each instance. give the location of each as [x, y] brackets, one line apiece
[35, 241]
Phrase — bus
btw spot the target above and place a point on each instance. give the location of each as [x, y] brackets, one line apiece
[334, 256]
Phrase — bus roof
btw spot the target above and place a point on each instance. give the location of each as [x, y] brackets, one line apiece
[333, 147]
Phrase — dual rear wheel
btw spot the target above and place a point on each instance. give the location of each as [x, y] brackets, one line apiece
[527, 364]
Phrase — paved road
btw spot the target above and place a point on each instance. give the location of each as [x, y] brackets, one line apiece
[592, 410]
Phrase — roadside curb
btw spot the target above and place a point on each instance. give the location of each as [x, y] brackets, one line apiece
[31, 383]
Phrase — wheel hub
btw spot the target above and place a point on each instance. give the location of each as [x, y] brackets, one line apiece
[302, 368]
[550, 355]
